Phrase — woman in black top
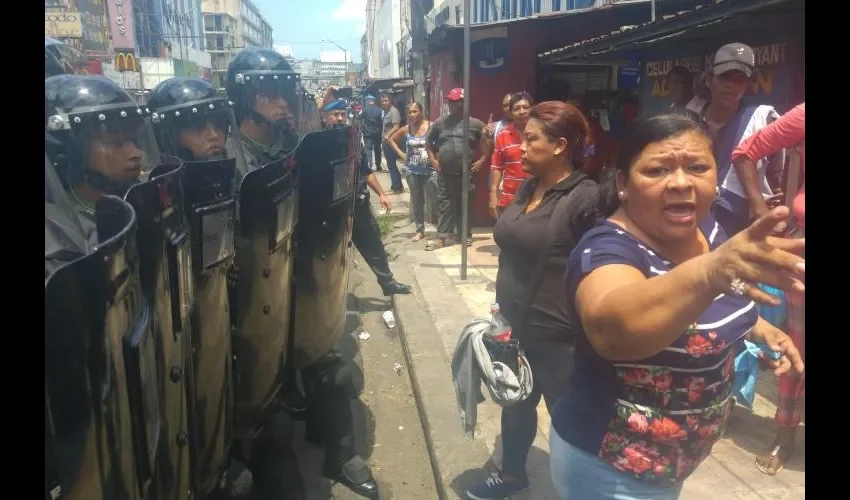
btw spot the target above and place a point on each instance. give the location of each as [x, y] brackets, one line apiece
[553, 153]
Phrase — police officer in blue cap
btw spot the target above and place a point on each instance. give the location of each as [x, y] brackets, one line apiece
[366, 233]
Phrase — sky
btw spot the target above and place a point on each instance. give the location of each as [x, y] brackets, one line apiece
[303, 24]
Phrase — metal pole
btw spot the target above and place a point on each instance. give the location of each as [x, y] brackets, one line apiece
[652, 6]
[464, 225]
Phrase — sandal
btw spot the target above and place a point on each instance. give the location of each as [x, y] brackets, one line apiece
[418, 237]
[772, 463]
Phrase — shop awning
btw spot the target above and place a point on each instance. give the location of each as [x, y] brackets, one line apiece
[691, 26]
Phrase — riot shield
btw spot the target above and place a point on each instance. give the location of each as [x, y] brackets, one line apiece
[166, 281]
[100, 368]
[65, 238]
[210, 207]
[326, 179]
[268, 207]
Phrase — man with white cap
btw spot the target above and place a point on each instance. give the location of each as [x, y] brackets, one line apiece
[730, 122]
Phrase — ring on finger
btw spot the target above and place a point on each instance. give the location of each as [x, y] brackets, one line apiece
[738, 287]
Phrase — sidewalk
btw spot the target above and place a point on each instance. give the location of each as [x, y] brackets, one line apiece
[729, 473]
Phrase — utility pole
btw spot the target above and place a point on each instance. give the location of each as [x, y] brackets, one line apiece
[419, 50]
[464, 249]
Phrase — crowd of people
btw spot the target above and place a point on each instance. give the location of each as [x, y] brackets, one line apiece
[654, 271]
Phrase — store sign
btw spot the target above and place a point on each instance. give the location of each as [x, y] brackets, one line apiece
[121, 24]
[63, 25]
[771, 82]
[125, 61]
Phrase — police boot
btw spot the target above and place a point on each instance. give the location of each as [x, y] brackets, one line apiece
[393, 287]
[235, 484]
[330, 389]
[342, 463]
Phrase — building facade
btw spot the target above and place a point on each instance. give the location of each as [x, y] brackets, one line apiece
[82, 24]
[387, 35]
[489, 11]
[167, 28]
[230, 26]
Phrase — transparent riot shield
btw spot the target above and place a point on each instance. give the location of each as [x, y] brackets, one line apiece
[268, 207]
[210, 206]
[165, 266]
[65, 238]
[326, 181]
[100, 367]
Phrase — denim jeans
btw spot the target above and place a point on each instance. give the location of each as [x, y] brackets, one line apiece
[578, 475]
[551, 367]
[416, 183]
[395, 175]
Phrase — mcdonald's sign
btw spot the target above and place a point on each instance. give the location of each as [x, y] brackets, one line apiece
[125, 61]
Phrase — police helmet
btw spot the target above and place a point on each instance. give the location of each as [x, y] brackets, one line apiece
[96, 133]
[184, 105]
[257, 71]
[60, 58]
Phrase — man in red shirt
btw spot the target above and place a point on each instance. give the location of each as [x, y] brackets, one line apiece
[505, 163]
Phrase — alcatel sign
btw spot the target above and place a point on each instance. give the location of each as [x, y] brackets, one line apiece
[121, 24]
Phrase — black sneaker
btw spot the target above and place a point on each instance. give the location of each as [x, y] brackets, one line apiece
[494, 488]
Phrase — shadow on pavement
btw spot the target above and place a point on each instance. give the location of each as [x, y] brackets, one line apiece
[491, 249]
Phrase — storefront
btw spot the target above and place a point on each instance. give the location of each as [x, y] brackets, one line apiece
[636, 61]
[504, 60]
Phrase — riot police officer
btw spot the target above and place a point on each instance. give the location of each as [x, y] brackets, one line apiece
[366, 234]
[267, 101]
[263, 88]
[102, 144]
[98, 139]
[100, 356]
[193, 122]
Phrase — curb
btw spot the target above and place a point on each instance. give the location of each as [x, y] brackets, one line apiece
[455, 461]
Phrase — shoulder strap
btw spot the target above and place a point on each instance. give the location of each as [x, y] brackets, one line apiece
[558, 219]
[731, 137]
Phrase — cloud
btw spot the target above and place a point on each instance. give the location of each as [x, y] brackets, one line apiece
[350, 10]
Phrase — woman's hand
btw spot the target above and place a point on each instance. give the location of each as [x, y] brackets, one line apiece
[753, 256]
[778, 341]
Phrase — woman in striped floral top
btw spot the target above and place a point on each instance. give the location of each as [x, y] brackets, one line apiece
[660, 300]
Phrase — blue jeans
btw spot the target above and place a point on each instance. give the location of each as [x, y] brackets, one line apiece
[395, 175]
[578, 475]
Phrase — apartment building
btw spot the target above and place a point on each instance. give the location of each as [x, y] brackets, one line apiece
[230, 26]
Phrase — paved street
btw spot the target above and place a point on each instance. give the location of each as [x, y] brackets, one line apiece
[450, 303]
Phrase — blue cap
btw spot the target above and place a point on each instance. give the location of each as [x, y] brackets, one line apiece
[335, 105]
[370, 97]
